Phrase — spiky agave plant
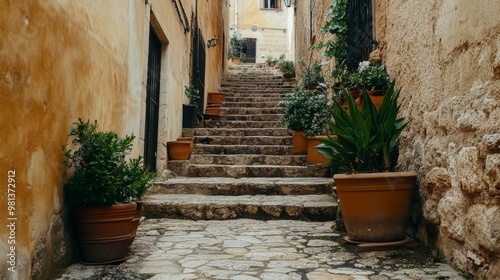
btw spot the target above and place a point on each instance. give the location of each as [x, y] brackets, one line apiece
[367, 140]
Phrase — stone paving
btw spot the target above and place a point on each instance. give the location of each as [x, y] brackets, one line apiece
[247, 249]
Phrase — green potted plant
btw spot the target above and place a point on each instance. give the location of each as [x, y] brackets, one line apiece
[374, 198]
[189, 111]
[102, 191]
[236, 45]
[287, 67]
[311, 75]
[303, 111]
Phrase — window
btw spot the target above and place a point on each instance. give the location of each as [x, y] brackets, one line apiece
[271, 4]
[360, 41]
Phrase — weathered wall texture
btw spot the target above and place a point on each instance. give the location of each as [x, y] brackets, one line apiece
[445, 55]
[60, 60]
[275, 27]
[310, 17]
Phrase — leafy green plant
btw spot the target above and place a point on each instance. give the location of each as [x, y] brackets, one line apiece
[311, 74]
[193, 94]
[306, 111]
[288, 69]
[367, 140]
[236, 45]
[373, 76]
[336, 25]
[102, 175]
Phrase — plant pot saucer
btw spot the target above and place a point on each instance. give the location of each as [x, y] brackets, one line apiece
[363, 244]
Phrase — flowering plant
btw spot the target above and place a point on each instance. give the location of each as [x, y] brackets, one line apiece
[373, 76]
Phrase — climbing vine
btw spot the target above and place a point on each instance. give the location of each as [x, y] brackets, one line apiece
[336, 25]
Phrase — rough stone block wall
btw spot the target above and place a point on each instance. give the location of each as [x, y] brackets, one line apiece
[445, 55]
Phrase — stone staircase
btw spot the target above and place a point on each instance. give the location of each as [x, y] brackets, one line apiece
[243, 164]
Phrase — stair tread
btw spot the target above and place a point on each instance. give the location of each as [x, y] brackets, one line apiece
[310, 200]
[253, 180]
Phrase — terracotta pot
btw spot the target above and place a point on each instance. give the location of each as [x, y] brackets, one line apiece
[216, 97]
[213, 111]
[235, 59]
[312, 155]
[188, 139]
[299, 142]
[104, 232]
[136, 221]
[179, 150]
[375, 206]
[377, 100]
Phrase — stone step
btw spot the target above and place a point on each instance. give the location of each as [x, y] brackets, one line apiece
[243, 149]
[184, 168]
[252, 99]
[252, 111]
[267, 117]
[242, 132]
[240, 89]
[248, 159]
[249, 140]
[244, 186]
[241, 124]
[280, 95]
[207, 207]
[272, 104]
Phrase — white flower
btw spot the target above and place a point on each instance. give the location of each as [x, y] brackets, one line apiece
[363, 65]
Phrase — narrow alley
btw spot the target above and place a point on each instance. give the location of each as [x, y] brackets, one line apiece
[246, 207]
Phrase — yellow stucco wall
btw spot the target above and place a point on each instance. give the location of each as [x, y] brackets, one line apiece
[275, 27]
[60, 60]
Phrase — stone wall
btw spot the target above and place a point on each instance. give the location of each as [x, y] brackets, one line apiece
[445, 55]
[310, 17]
[60, 60]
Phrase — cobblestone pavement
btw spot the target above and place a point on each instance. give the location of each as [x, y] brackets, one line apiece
[250, 249]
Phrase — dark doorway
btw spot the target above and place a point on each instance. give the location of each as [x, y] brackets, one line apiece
[250, 49]
[199, 61]
[359, 32]
[152, 101]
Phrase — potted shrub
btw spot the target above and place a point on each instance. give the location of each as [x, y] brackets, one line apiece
[101, 191]
[374, 199]
[236, 45]
[311, 75]
[303, 111]
[287, 67]
[189, 111]
[374, 78]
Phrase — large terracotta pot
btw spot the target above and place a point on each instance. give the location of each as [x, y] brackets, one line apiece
[375, 206]
[299, 143]
[179, 150]
[135, 222]
[104, 232]
[312, 155]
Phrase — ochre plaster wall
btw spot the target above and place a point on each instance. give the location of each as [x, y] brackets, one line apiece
[274, 28]
[445, 55]
[60, 60]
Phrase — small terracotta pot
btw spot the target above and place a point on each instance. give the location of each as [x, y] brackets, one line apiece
[377, 96]
[213, 111]
[216, 97]
[179, 150]
[314, 156]
[299, 143]
[375, 206]
[187, 139]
